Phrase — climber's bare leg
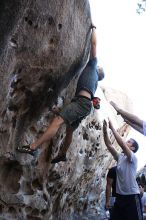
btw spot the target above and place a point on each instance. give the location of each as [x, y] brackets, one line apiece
[67, 141]
[49, 133]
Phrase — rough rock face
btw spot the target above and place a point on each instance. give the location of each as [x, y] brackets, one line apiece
[44, 46]
[32, 188]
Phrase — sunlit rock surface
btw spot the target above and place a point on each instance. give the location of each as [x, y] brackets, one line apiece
[32, 188]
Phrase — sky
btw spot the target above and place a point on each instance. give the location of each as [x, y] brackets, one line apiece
[121, 36]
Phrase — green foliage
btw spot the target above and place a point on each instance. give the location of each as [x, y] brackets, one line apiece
[141, 7]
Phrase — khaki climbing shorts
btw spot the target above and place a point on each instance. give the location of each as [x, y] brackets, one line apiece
[76, 111]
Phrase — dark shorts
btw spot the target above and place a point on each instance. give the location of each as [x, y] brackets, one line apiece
[76, 111]
[127, 207]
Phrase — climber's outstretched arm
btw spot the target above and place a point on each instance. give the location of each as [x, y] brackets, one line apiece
[93, 43]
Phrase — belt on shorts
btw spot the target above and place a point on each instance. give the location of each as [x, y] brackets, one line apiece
[81, 96]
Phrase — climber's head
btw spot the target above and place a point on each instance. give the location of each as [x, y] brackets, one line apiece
[100, 73]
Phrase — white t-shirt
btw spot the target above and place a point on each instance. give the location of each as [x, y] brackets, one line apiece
[126, 175]
[144, 128]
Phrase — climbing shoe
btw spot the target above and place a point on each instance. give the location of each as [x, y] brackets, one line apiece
[26, 149]
[59, 159]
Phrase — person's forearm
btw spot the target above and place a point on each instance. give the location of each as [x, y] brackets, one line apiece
[135, 126]
[109, 146]
[118, 138]
[121, 142]
[131, 117]
[128, 116]
[107, 140]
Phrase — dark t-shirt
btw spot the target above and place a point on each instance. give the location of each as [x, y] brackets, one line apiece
[88, 79]
[112, 175]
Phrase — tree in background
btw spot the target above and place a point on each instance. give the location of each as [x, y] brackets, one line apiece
[141, 7]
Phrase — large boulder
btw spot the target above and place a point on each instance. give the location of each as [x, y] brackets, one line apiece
[43, 48]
